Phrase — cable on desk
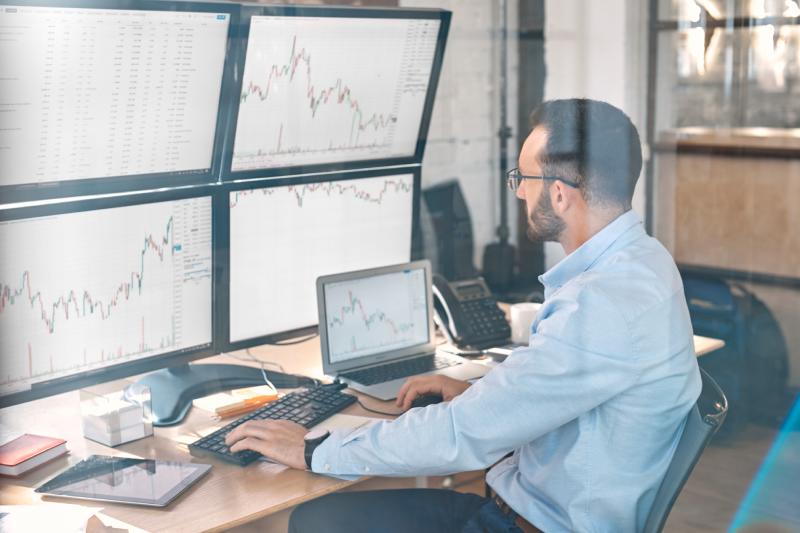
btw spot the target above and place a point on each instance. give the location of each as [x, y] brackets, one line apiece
[375, 410]
[290, 343]
[257, 359]
[261, 365]
[298, 381]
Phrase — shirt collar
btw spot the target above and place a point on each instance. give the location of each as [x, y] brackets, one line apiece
[589, 252]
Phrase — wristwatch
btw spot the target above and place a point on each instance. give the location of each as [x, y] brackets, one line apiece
[314, 438]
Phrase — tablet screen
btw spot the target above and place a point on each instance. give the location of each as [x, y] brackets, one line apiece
[127, 480]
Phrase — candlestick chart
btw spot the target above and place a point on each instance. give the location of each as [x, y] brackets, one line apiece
[377, 313]
[89, 289]
[322, 90]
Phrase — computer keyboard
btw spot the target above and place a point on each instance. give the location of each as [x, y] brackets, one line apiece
[400, 369]
[307, 408]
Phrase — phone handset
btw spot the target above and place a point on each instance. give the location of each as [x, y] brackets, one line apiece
[445, 305]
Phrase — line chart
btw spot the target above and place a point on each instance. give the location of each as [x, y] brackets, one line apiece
[85, 304]
[102, 287]
[320, 228]
[331, 188]
[338, 93]
[369, 320]
[378, 313]
[320, 90]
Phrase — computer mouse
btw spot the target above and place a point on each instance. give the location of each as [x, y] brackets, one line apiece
[425, 400]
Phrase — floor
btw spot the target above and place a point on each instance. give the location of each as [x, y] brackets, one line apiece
[719, 482]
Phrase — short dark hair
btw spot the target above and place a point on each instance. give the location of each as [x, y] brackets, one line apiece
[593, 143]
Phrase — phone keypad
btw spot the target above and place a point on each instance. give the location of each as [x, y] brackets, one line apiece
[486, 320]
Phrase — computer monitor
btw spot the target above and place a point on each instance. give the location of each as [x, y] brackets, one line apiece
[283, 237]
[101, 289]
[333, 88]
[110, 95]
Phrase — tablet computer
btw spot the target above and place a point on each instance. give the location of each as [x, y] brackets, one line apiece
[125, 480]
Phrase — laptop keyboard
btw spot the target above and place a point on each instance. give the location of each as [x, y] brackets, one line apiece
[399, 369]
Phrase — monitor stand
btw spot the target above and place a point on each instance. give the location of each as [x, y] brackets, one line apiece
[173, 389]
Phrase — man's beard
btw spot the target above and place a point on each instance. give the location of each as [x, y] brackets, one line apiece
[543, 223]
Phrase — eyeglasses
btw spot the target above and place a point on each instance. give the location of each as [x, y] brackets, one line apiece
[515, 179]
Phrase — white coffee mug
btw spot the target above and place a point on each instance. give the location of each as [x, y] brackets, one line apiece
[522, 316]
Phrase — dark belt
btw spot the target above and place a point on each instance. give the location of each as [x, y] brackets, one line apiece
[520, 522]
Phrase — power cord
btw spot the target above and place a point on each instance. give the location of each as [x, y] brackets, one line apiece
[281, 375]
[261, 365]
[257, 359]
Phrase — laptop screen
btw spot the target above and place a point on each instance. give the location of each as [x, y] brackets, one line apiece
[376, 314]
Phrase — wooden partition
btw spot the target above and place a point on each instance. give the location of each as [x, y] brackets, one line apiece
[730, 200]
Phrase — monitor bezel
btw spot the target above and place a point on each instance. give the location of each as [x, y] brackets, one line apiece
[223, 265]
[248, 11]
[24, 192]
[129, 368]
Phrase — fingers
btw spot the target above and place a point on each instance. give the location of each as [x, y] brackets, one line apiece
[408, 392]
[250, 443]
[401, 394]
[279, 440]
[417, 386]
[265, 430]
[251, 428]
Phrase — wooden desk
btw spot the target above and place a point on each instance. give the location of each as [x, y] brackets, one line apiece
[702, 345]
[229, 495]
[706, 345]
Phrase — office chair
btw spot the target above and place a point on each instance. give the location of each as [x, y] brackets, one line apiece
[702, 422]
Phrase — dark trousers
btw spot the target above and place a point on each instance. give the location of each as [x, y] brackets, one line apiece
[401, 511]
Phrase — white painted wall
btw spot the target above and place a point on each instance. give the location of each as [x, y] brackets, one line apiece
[462, 141]
[598, 50]
[593, 49]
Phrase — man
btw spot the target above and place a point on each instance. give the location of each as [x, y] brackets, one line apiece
[592, 410]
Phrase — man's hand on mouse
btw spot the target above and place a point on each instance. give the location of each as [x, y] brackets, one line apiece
[447, 388]
[280, 440]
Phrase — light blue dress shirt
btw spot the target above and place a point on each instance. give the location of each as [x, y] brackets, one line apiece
[592, 410]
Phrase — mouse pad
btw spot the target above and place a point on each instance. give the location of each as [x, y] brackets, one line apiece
[126, 480]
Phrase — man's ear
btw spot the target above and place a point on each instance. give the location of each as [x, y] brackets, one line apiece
[559, 197]
[563, 197]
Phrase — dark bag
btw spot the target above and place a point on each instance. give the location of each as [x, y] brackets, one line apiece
[752, 368]
[766, 360]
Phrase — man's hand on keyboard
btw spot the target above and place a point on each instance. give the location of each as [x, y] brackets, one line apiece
[280, 440]
[447, 388]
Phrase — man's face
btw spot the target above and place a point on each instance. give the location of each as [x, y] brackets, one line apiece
[543, 223]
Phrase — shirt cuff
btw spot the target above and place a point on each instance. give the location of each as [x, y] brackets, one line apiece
[325, 458]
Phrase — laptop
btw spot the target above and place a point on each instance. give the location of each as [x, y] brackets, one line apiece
[376, 329]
